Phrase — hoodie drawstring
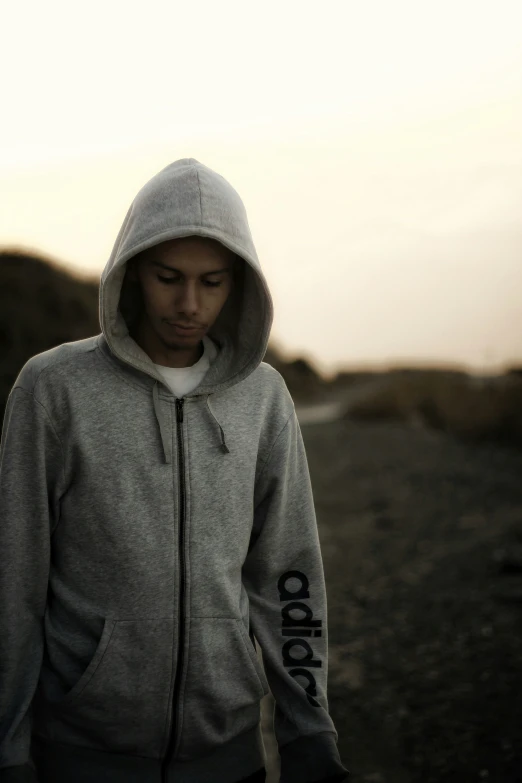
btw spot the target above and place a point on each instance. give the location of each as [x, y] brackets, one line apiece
[224, 446]
[163, 432]
[157, 410]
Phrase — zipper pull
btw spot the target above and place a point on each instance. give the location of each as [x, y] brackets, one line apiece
[179, 408]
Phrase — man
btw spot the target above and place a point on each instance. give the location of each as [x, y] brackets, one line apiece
[157, 518]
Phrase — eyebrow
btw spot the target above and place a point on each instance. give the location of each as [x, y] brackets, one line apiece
[173, 269]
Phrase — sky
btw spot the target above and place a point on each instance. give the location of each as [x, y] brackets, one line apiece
[377, 147]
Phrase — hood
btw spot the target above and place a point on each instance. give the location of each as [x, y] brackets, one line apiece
[187, 198]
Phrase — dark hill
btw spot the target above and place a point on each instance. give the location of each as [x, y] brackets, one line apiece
[42, 304]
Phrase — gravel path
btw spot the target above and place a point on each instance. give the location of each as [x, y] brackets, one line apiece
[421, 538]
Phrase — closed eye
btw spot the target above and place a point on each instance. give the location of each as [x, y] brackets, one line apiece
[173, 280]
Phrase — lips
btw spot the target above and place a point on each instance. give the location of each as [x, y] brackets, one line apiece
[183, 328]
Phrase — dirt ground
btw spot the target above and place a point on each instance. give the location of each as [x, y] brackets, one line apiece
[421, 538]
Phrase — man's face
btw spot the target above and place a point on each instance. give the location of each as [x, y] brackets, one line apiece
[183, 281]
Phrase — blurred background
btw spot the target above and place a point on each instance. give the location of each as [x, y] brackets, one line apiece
[377, 147]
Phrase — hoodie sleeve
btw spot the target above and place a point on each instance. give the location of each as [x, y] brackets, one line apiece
[284, 578]
[31, 471]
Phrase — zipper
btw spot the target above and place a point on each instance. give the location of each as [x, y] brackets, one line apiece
[181, 628]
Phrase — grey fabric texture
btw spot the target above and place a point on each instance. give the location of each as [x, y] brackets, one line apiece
[135, 545]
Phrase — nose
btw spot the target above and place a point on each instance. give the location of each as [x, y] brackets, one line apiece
[187, 301]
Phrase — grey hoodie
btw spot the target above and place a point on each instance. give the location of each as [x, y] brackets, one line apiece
[147, 540]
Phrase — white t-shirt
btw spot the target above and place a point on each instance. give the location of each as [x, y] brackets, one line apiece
[182, 380]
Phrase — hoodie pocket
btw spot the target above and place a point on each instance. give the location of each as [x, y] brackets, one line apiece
[225, 682]
[81, 684]
[120, 702]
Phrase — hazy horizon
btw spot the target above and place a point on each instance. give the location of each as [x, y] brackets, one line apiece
[382, 181]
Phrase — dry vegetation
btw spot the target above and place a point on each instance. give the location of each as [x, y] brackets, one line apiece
[488, 408]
